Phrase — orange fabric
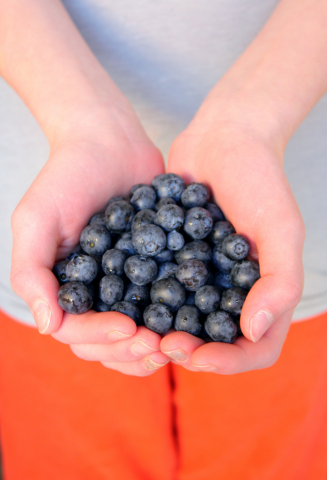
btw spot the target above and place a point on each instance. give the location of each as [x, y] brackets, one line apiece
[61, 417]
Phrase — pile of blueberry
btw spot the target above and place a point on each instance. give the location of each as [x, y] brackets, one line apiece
[166, 257]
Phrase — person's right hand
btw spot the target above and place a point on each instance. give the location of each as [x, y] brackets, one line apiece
[102, 155]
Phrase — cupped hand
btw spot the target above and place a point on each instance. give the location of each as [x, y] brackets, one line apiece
[100, 156]
[243, 168]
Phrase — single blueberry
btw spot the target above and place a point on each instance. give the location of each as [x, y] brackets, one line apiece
[175, 241]
[140, 270]
[195, 195]
[169, 217]
[111, 289]
[98, 219]
[164, 256]
[223, 280]
[137, 294]
[188, 320]
[100, 306]
[117, 198]
[166, 270]
[119, 216]
[82, 268]
[232, 300]
[143, 198]
[245, 274]
[75, 298]
[113, 261]
[220, 327]
[137, 186]
[95, 239]
[129, 309]
[192, 274]
[144, 217]
[126, 246]
[197, 249]
[169, 292]
[169, 185]
[198, 223]
[149, 240]
[220, 261]
[158, 318]
[163, 202]
[59, 271]
[235, 247]
[220, 230]
[216, 213]
[207, 299]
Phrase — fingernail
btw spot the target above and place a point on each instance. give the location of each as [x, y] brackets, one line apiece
[207, 368]
[115, 335]
[42, 315]
[141, 348]
[151, 365]
[259, 324]
[177, 355]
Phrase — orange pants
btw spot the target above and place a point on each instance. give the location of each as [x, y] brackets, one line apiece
[62, 417]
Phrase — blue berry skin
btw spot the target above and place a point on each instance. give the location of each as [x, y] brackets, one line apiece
[163, 202]
[143, 197]
[207, 299]
[113, 261]
[216, 213]
[198, 223]
[129, 309]
[158, 318]
[100, 306]
[111, 288]
[169, 292]
[245, 274]
[169, 217]
[144, 217]
[137, 294]
[175, 241]
[136, 187]
[223, 280]
[188, 320]
[220, 231]
[164, 256]
[190, 298]
[82, 268]
[220, 327]
[235, 247]
[192, 274]
[149, 240]
[140, 270]
[197, 249]
[59, 271]
[169, 185]
[95, 239]
[77, 250]
[117, 198]
[75, 298]
[166, 270]
[220, 261]
[195, 195]
[232, 300]
[119, 216]
[126, 246]
[98, 219]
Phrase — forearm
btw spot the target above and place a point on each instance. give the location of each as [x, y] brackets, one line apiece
[45, 59]
[281, 75]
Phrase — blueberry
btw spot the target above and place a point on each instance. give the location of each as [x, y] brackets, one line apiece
[77, 250]
[126, 246]
[95, 239]
[220, 327]
[100, 306]
[198, 223]
[144, 217]
[136, 187]
[169, 217]
[195, 195]
[163, 202]
[164, 256]
[223, 280]
[207, 299]
[245, 274]
[190, 298]
[111, 289]
[113, 261]
[137, 294]
[59, 271]
[197, 249]
[140, 270]
[143, 197]
[188, 320]
[169, 292]
[220, 261]
[117, 198]
[82, 268]
[216, 213]
[129, 309]
[149, 240]
[175, 241]
[158, 318]
[235, 247]
[98, 219]
[232, 300]
[119, 216]
[75, 298]
[220, 231]
[166, 270]
[192, 274]
[169, 185]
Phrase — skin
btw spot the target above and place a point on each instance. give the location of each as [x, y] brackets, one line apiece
[234, 144]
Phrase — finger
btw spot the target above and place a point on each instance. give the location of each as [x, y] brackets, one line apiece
[179, 347]
[140, 368]
[143, 343]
